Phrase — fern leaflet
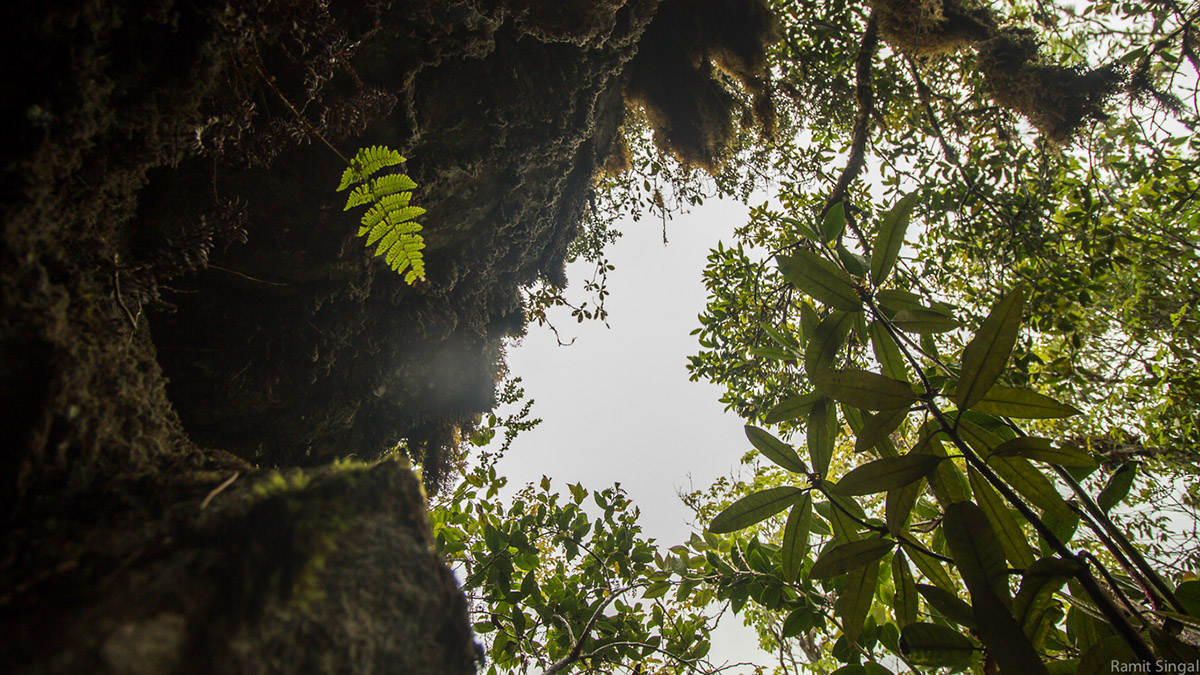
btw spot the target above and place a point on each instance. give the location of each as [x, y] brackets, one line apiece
[389, 221]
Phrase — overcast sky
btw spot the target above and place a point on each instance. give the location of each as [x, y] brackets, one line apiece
[617, 405]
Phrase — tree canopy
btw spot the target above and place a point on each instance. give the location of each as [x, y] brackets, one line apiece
[963, 334]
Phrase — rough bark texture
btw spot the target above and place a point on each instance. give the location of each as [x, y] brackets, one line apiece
[183, 301]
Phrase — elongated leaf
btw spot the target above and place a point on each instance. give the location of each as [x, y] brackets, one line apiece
[821, 431]
[792, 408]
[1117, 487]
[835, 222]
[1008, 530]
[854, 263]
[893, 301]
[858, 595]
[886, 250]
[976, 550]
[1032, 484]
[932, 569]
[864, 389]
[878, 428]
[1039, 583]
[826, 340]
[1004, 638]
[1108, 656]
[849, 556]
[947, 481]
[754, 508]
[886, 352]
[948, 605]
[929, 644]
[1040, 449]
[781, 338]
[905, 602]
[885, 474]
[821, 279]
[899, 505]
[987, 353]
[1022, 404]
[795, 537]
[775, 450]
[924, 321]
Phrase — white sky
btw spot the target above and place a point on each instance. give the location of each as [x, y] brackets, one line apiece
[617, 405]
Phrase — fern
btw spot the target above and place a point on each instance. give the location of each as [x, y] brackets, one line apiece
[389, 221]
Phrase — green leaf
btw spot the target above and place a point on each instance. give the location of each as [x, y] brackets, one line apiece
[1004, 638]
[775, 450]
[825, 341]
[821, 279]
[835, 222]
[1108, 656]
[754, 508]
[929, 644]
[795, 538]
[656, 590]
[864, 389]
[924, 321]
[976, 550]
[886, 352]
[932, 569]
[858, 595]
[1040, 449]
[852, 555]
[1008, 530]
[879, 428]
[905, 602]
[772, 353]
[1040, 581]
[893, 301]
[899, 505]
[1022, 404]
[1188, 594]
[822, 432]
[986, 354]
[792, 408]
[855, 264]
[947, 481]
[948, 605]
[886, 474]
[1117, 487]
[890, 239]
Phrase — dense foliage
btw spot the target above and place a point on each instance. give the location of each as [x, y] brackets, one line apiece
[970, 315]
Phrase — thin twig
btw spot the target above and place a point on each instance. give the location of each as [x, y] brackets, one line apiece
[217, 490]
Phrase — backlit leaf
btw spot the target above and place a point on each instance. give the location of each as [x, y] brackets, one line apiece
[948, 605]
[905, 602]
[821, 432]
[879, 428]
[852, 555]
[987, 353]
[1117, 487]
[792, 408]
[754, 508]
[929, 644]
[885, 474]
[821, 279]
[887, 245]
[825, 341]
[835, 221]
[1022, 404]
[1040, 449]
[1007, 528]
[858, 595]
[795, 537]
[886, 352]
[864, 389]
[924, 321]
[775, 450]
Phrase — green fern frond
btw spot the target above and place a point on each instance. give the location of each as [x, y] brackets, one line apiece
[389, 221]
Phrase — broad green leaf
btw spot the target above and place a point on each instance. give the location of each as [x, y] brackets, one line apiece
[826, 340]
[854, 263]
[947, 481]
[886, 249]
[754, 508]
[775, 450]
[858, 595]
[772, 353]
[886, 474]
[1039, 583]
[792, 408]
[899, 505]
[864, 389]
[1188, 594]
[878, 428]
[892, 301]
[986, 355]
[852, 555]
[924, 321]
[1007, 528]
[781, 338]
[886, 352]
[976, 550]
[821, 279]
[1110, 655]
[1022, 404]
[797, 622]
[821, 432]
[932, 569]
[1040, 449]
[1004, 638]
[929, 644]
[835, 222]
[948, 605]
[980, 440]
[1031, 484]
[795, 537]
[1117, 487]
[845, 514]
[656, 590]
[905, 603]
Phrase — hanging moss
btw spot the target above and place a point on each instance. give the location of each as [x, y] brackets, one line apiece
[928, 27]
[1055, 99]
[674, 77]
